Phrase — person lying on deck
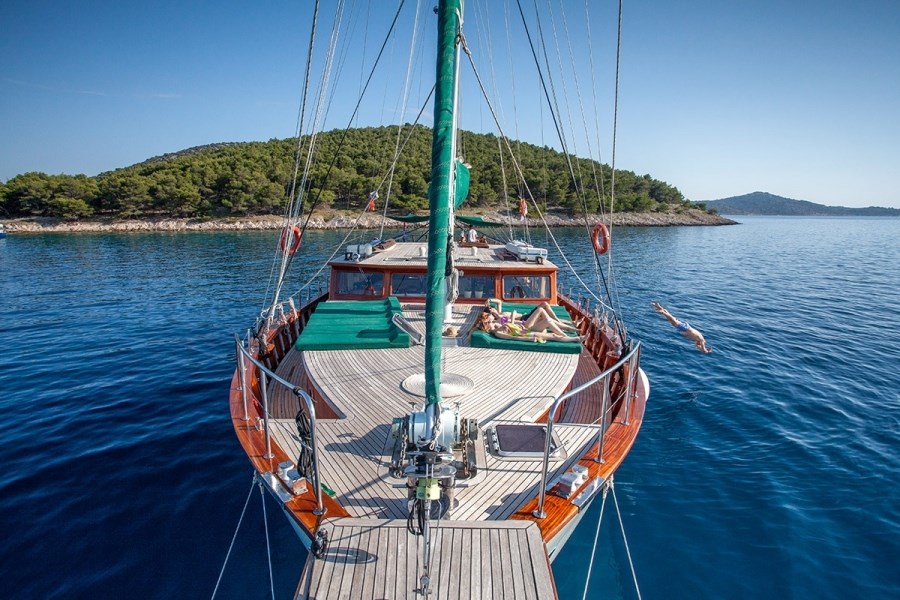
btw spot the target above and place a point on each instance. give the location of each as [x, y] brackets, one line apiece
[684, 328]
[540, 325]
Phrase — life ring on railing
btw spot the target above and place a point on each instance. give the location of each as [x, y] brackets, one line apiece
[290, 239]
[600, 238]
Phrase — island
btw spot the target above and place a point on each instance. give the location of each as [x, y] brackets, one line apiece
[241, 185]
[763, 203]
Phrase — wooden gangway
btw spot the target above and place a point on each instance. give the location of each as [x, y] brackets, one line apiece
[379, 559]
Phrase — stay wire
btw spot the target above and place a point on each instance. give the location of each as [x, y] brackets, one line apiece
[611, 289]
[268, 545]
[521, 177]
[296, 203]
[580, 188]
[637, 588]
[556, 124]
[549, 97]
[587, 578]
[404, 104]
[340, 246]
[301, 112]
[346, 130]
[344, 133]
[234, 537]
[578, 183]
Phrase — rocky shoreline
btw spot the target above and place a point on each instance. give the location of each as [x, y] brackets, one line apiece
[691, 217]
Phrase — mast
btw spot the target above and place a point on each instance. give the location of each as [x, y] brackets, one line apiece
[440, 194]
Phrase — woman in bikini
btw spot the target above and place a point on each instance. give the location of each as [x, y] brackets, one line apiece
[541, 324]
[684, 328]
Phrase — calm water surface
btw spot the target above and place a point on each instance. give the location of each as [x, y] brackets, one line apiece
[767, 469]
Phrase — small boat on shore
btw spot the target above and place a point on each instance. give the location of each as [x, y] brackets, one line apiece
[2, 231]
[439, 418]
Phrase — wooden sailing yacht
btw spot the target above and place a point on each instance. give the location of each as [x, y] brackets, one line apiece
[413, 450]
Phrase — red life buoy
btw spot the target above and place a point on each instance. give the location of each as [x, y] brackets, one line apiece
[290, 239]
[600, 237]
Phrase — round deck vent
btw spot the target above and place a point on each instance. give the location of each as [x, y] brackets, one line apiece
[451, 385]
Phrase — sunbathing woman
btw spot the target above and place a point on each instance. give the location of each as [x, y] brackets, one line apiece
[540, 325]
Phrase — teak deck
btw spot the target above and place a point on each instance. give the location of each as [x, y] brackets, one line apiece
[379, 559]
[364, 386]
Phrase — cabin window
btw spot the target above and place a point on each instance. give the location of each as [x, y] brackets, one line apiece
[476, 286]
[408, 284]
[359, 283]
[526, 286]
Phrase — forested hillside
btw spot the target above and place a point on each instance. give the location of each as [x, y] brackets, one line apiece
[246, 179]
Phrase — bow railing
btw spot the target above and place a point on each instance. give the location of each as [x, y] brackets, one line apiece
[605, 378]
[243, 356]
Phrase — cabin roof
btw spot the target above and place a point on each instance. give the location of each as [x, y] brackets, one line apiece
[415, 255]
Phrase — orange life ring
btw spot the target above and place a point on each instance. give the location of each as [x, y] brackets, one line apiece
[600, 238]
[290, 239]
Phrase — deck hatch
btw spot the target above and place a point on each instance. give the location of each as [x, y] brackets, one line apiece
[523, 442]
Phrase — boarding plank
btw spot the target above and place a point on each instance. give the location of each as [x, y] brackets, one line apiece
[363, 553]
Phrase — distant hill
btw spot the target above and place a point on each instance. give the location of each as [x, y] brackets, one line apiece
[762, 203]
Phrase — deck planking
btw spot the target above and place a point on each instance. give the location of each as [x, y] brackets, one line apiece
[379, 559]
[364, 386]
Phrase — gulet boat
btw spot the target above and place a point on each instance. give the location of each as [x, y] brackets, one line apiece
[413, 446]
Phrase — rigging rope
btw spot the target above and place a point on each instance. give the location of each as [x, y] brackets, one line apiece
[583, 188]
[268, 546]
[550, 97]
[587, 578]
[598, 182]
[288, 209]
[521, 176]
[234, 537]
[296, 203]
[404, 103]
[287, 259]
[547, 95]
[637, 588]
[579, 183]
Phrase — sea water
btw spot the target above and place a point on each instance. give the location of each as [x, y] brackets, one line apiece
[767, 469]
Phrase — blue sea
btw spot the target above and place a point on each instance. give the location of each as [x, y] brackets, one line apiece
[767, 469]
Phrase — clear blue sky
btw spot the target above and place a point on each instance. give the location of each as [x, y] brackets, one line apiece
[719, 98]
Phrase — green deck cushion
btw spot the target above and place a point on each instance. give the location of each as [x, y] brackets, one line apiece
[525, 309]
[353, 324]
[360, 307]
[483, 339]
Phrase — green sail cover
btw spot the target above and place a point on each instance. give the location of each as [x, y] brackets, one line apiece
[462, 183]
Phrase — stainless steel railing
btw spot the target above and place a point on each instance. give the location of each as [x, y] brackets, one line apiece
[243, 354]
[604, 377]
